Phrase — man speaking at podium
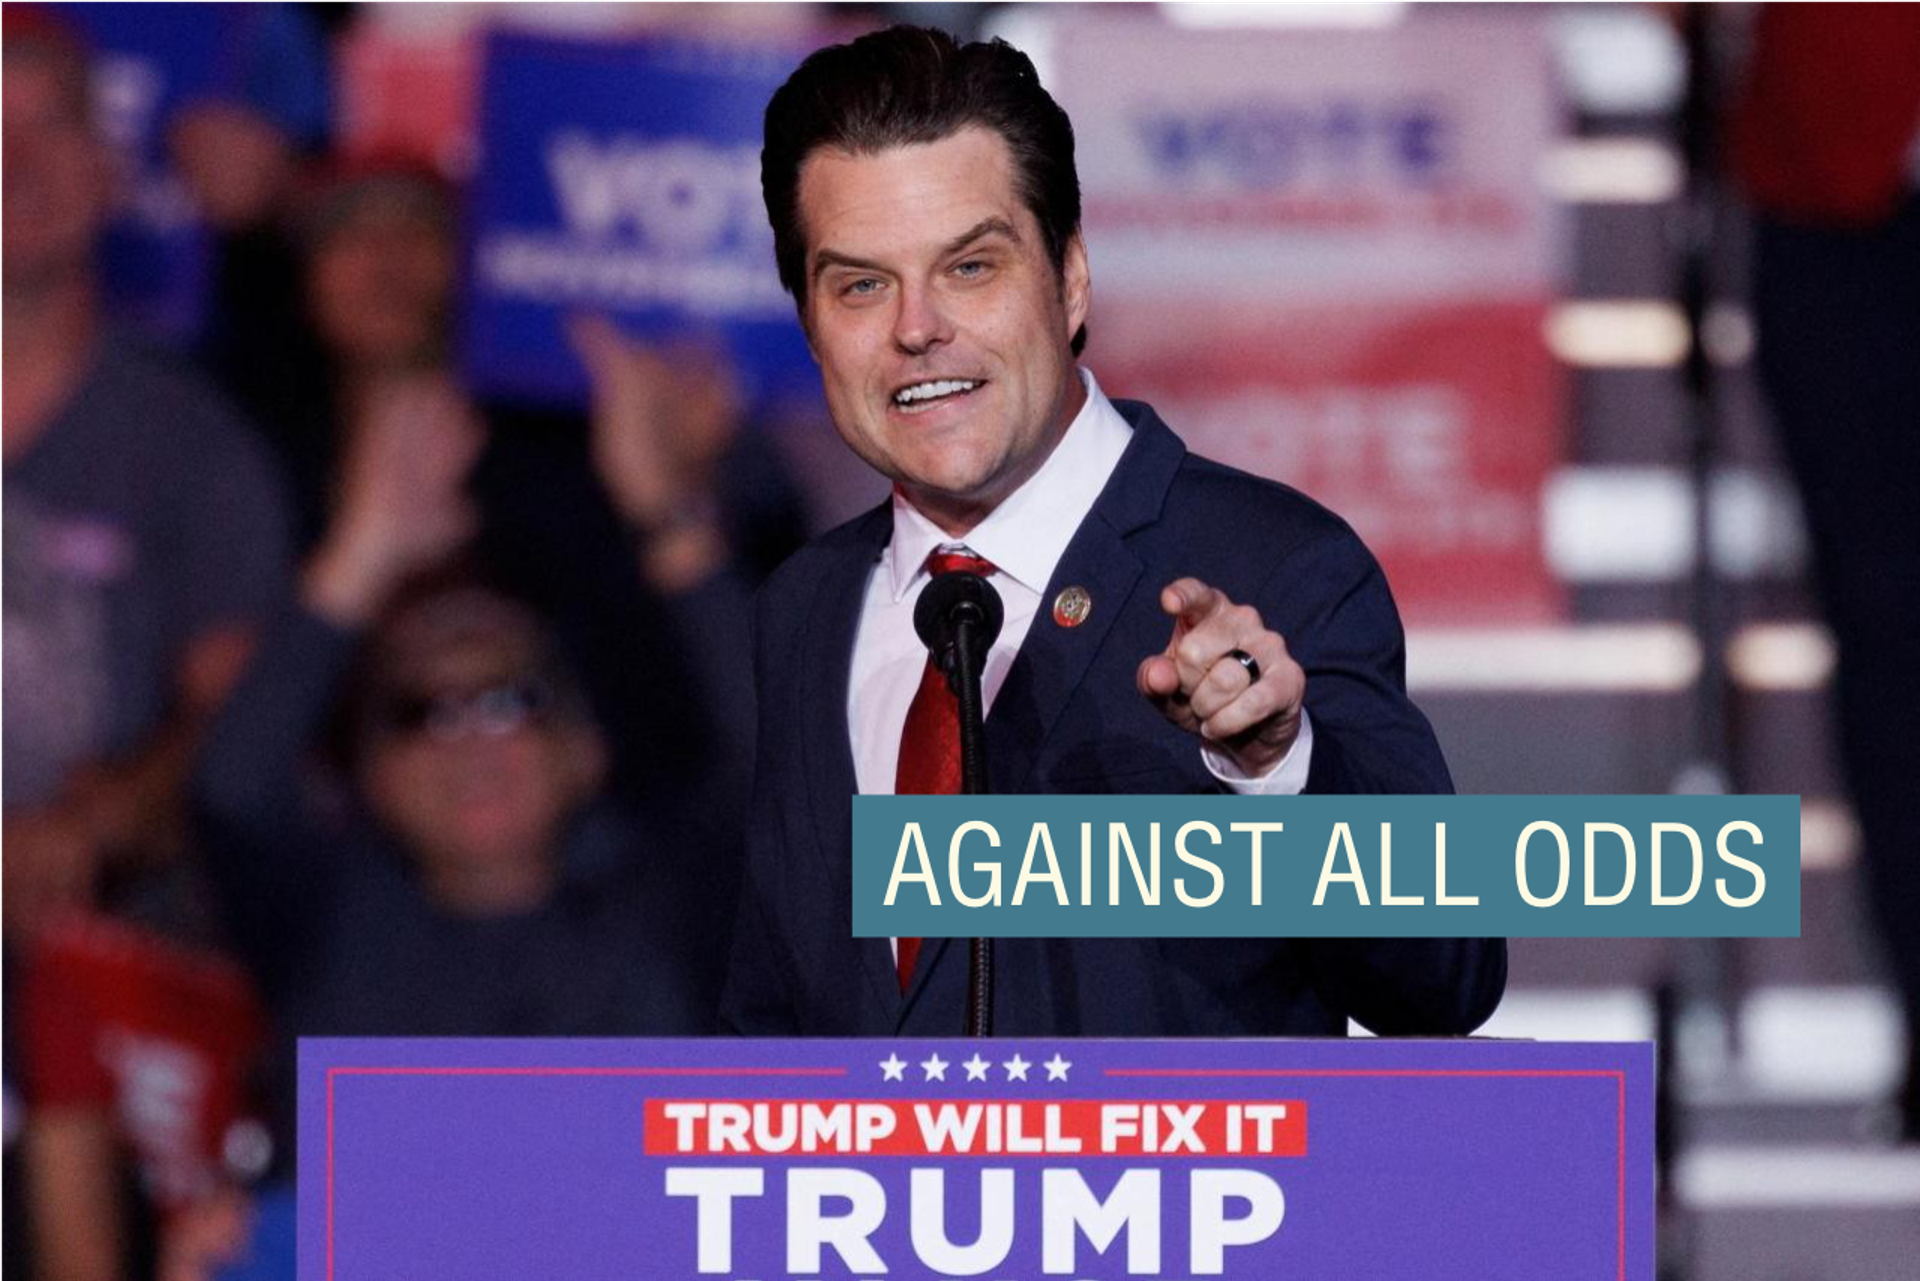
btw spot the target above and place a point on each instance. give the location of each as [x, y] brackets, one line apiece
[1171, 625]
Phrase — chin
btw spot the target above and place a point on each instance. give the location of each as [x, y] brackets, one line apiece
[490, 840]
[951, 491]
[954, 471]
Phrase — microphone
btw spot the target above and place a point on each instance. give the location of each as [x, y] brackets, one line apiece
[958, 617]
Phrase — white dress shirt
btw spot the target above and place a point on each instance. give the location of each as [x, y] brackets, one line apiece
[1024, 537]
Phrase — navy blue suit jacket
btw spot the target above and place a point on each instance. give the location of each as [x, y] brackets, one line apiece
[1069, 719]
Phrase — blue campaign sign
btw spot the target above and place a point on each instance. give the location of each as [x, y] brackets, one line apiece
[623, 177]
[1012, 1159]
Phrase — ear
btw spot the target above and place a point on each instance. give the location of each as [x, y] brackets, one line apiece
[1076, 284]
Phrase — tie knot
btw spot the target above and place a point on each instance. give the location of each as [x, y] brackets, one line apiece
[958, 562]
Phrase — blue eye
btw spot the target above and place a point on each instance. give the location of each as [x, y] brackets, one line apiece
[971, 269]
[864, 285]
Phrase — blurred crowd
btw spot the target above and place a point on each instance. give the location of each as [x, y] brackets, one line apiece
[338, 703]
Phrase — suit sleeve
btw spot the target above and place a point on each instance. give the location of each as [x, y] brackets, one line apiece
[1330, 602]
[1370, 738]
[756, 1000]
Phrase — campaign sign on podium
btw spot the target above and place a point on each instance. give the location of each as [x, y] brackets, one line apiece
[1006, 1159]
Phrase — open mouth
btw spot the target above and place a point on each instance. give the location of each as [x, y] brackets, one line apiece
[917, 397]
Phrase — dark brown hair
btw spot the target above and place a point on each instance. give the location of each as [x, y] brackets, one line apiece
[909, 85]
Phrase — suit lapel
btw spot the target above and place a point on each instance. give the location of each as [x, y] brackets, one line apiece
[1053, 659]
[827, 651]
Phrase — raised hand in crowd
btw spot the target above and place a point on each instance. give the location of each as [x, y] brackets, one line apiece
[663, 419]
[402, 507]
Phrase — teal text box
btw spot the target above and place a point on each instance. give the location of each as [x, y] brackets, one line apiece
[1747, 883]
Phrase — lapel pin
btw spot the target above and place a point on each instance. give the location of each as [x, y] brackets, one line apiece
[1071, 607]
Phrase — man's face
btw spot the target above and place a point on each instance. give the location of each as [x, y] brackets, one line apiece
[942, 330]
[381, 285]
[58, 179]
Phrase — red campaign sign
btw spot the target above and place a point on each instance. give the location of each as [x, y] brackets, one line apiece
[975, 1127]
[1431, 427]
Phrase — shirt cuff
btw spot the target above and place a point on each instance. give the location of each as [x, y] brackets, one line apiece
[1288, 777]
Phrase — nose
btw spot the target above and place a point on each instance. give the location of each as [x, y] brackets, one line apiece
[920, 324]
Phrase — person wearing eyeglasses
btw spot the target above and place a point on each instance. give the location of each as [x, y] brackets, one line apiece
[461, 867]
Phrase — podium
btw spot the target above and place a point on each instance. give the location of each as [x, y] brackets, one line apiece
[1007, 1159]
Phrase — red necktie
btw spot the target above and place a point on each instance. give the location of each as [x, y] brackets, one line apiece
[930, 742]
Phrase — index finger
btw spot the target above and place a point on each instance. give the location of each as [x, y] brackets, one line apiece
[1190, 600]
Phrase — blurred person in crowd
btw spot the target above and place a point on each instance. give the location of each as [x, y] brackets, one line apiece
[378, 261]
[143, 535]
[1827, 141]
[605, 523]
[239, 147]
[143, 540]
[138, 1059]
[464, 872]
[381, 282]
[1172, 625]
[662, 473]
[210, 109]
[237, 144]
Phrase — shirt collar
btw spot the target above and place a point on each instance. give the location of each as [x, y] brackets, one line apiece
[1027, 534]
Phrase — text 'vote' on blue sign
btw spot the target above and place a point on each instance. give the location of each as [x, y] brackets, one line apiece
[1326, 866]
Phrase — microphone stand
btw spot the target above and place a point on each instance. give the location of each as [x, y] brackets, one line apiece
[964, 678]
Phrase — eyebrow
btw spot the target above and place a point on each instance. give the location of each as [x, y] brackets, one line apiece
[985, 227]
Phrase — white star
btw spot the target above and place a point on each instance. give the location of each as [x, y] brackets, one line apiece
[976, 1067]
[1056, 1067]
[1016, 1068]
[935, 1067]
[892, 1067]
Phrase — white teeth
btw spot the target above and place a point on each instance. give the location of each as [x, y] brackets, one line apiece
[932, 390]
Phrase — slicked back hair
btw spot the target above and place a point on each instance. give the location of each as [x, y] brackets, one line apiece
[912, 85]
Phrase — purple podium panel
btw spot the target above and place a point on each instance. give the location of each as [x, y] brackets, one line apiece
[645, 1160]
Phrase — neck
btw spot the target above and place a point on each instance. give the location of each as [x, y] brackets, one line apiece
[48, 338]
[495, 888]
[359, 379]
